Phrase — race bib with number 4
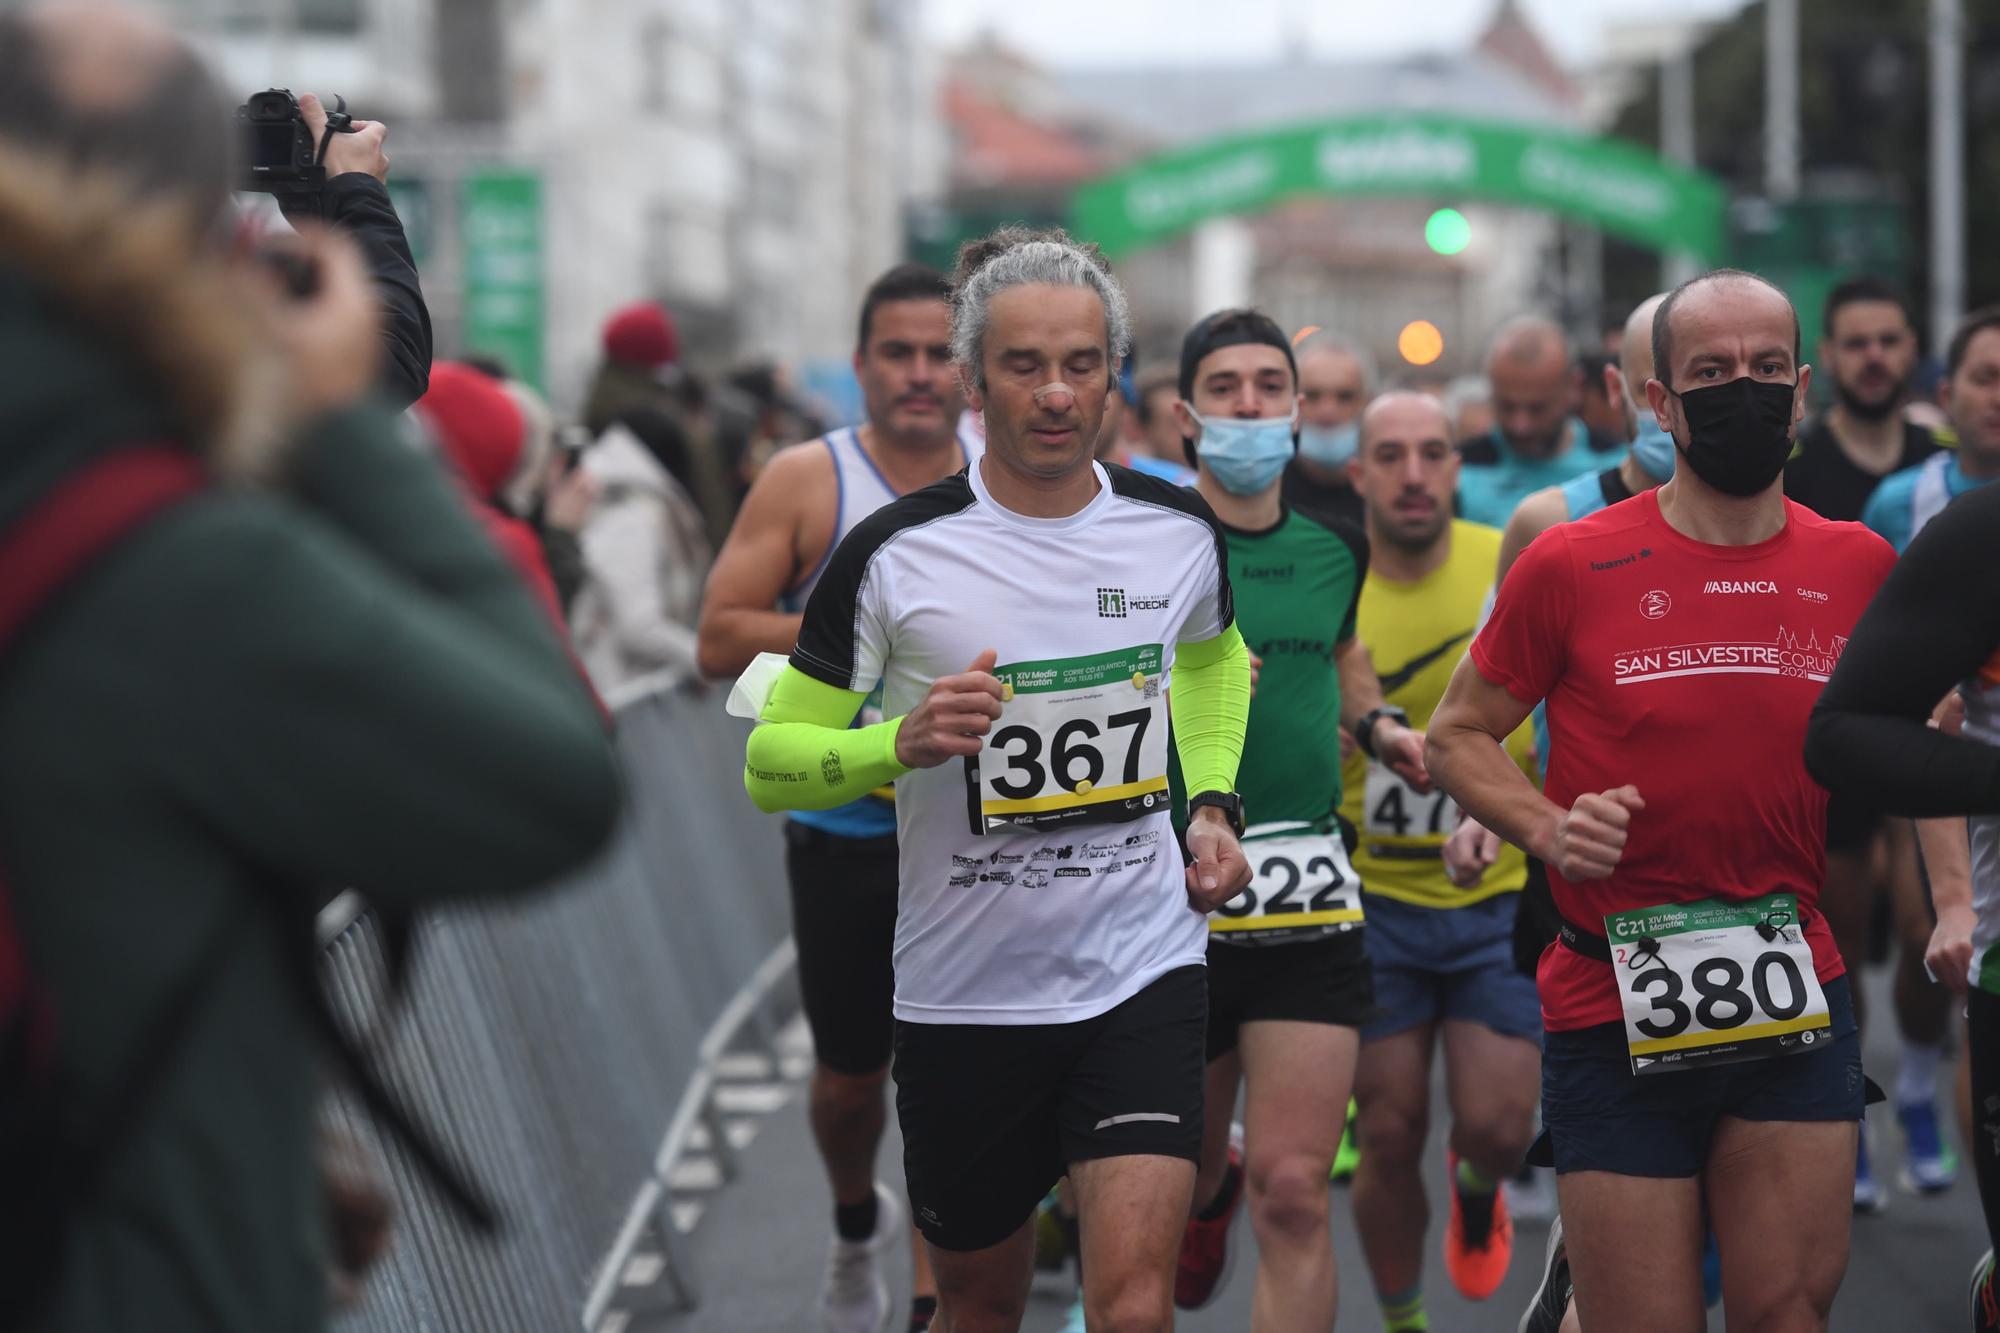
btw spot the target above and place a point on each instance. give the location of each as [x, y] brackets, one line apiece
[1716, 982]
[1392, 808]
[1079, 740]
[1301, 887]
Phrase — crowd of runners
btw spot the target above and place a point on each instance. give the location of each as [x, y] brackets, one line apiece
[1191, 772]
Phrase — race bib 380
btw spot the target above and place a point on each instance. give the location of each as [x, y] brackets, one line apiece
[1716, 982]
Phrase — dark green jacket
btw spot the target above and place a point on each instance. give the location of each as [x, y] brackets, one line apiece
[271, 692]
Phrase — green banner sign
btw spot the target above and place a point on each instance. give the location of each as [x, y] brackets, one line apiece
[1618, 186]
[501, 227]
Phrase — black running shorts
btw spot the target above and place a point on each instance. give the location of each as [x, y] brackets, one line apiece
[844, 923]
[1326, 980]
[993, 1115]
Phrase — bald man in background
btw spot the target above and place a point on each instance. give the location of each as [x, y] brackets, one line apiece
[1536, 439]
[1648, 462]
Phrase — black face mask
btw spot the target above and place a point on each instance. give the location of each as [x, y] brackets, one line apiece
[1739, 433]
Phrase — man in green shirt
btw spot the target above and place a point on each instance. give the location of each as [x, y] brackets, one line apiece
[1288, 978]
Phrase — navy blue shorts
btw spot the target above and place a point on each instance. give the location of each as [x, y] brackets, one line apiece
[1438, 963]
[1597, 1115]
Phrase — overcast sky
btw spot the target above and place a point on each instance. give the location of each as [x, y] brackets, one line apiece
[1099, 32]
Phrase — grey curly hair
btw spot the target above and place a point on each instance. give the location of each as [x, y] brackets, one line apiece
[1020, 257]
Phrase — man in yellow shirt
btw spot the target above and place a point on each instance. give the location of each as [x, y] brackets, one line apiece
[1441, 948]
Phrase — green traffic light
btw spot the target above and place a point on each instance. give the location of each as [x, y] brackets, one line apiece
[1447, 231]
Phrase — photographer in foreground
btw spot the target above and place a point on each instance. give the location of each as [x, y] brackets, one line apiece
[305, 668]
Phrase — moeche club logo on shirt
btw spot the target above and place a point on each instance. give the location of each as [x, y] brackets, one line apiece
[1783, 655]
[1114, 604]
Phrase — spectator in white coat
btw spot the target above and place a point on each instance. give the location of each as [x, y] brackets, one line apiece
[646, 556]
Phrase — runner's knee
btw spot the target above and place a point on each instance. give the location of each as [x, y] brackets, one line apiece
[1139, 1305]
[965, 1313]
[1392, 1133]
[1288, 1197]
[1498, 1134]
[846, 1095]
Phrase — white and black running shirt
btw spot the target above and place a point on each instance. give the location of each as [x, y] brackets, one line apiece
[1040, 881]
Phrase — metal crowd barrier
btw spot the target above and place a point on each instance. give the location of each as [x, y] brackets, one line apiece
[564, 1046]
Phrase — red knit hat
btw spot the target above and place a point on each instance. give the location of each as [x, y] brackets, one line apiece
[477, 425]
[642, 334]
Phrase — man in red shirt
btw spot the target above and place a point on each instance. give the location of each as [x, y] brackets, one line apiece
[1701, 1044]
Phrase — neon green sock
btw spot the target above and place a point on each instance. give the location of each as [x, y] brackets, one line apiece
[1404, 1312]
[1471, 1180]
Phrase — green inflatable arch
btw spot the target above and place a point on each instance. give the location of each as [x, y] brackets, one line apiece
[1615, 185]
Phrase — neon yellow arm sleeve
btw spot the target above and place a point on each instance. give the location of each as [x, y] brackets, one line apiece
[804, 755]
[1211, 708]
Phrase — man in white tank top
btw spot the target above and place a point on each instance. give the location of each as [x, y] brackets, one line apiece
[842, 862]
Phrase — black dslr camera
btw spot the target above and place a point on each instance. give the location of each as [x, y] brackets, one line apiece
[280, 157]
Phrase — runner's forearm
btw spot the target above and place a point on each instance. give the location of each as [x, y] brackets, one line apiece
[1211, 708]
[1933, 625]
[1947, 861]
[803, 754]
[1465, 753]
[1360, 687]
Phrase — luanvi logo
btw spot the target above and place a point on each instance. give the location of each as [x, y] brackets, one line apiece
[1619, 562]
[1268, 573]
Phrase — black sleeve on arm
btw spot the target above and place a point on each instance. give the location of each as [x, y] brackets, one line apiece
[1934, 623]
[359, 204]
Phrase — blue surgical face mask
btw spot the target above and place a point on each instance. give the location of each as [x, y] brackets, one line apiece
[1329, 446]
[1652, 447]
[1245, 455]
[1654, 451]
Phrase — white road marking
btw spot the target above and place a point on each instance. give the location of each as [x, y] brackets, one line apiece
[695, 1173]
[643, 1270]
[751, 1098]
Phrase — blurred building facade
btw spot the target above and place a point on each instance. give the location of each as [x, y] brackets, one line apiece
[748, 162]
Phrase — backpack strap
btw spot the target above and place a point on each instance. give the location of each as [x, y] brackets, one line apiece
[87, 515]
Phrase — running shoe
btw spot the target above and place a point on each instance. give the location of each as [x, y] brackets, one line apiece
[1205, 1254]
[1551, 1302]
[1985, 1301]
[1531, 1195]
[853, 1298]
[1929, 1164]
[1477, 1248]
[1349, 1155]
[1868, 1197]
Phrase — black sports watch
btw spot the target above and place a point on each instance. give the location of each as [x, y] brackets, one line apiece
[1364, 728]
[1228, 802]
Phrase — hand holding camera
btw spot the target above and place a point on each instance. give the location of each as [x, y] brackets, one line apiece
[358, 147]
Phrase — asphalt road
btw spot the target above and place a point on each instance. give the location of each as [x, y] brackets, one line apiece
[759, 1243]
